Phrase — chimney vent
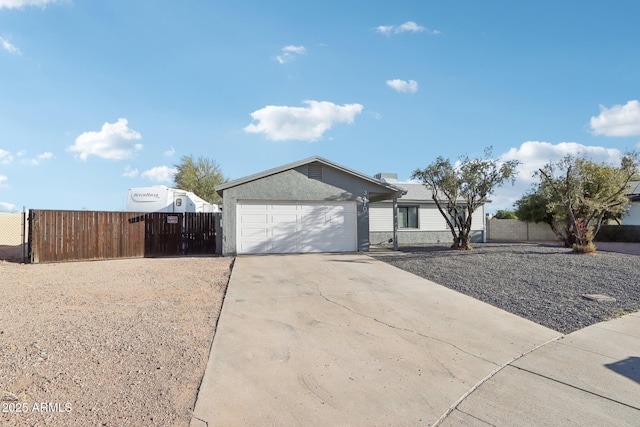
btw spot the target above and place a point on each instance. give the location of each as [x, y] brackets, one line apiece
[389, 178]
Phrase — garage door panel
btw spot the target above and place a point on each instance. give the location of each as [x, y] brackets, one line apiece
[254, 233]
[338, 209]
[249, 207]
[254, 247]
[281, 233]
[294, 227]
[284, 247]
[254, 219]
[283, 207]
[337, 220]
[315, 209]
[286, 219]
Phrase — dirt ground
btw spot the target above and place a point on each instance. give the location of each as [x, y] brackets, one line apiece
[106, 343]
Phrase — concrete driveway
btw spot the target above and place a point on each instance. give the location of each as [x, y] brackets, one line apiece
[328, 339]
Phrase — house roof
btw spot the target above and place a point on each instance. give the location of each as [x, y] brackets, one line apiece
[389, 187]
[415, 193]
[418, 193]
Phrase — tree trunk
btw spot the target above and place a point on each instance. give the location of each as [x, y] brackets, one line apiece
[462, 242]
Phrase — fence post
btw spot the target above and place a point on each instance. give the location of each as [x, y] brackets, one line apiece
[30, 249]
[23, 233]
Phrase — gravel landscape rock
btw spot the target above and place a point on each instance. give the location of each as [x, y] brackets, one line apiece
[107, 343]
[544, 283]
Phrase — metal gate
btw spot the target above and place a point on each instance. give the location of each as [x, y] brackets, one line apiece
[171, 234]
[162, 234]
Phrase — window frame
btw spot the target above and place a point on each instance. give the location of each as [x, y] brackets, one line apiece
[406, 208]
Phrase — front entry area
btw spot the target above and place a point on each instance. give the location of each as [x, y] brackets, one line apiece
[265, 226]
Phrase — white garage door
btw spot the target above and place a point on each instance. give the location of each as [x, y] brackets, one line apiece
[295, 227]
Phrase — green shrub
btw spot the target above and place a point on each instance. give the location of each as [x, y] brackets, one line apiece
[589, 248]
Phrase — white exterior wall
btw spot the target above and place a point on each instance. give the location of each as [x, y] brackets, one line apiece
[380, 217]
[632, 217]
[429, 218]
[477, 222]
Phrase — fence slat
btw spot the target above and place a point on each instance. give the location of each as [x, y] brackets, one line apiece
[83, 235]
[56, 236]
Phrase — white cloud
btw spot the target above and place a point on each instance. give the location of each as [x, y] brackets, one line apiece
[6, 45]
[282, 123]
[160, 174]
[8, 207]
[411, 27]
[130, 172]
[407, 27]
[385, 29]
[289, 53]
[535, 154]
[3, 178]
[410, 86]
[5, 157]
[619, 120]
[17, 4]
[170, 153]
[294, 49]
[40, 158]
[114, 142]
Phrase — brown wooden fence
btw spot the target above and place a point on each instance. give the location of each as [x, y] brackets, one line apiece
[56, 236]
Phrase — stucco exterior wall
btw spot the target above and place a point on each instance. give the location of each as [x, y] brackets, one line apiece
[413, 238]
[294, 185]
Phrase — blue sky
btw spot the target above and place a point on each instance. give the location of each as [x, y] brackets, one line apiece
[97, 97]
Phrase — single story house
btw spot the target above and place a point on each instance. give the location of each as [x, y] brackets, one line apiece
[632, 217]
[312, 205]
[419, 220]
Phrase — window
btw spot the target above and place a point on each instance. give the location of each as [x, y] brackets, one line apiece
[407, 217]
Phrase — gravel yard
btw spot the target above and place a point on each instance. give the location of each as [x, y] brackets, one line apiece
[541, 282]
[106, 343]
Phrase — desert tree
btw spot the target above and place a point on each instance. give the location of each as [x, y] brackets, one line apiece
[458, 190]
[576, 195]
[534, 207]
[199, 176]
[505, 214]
